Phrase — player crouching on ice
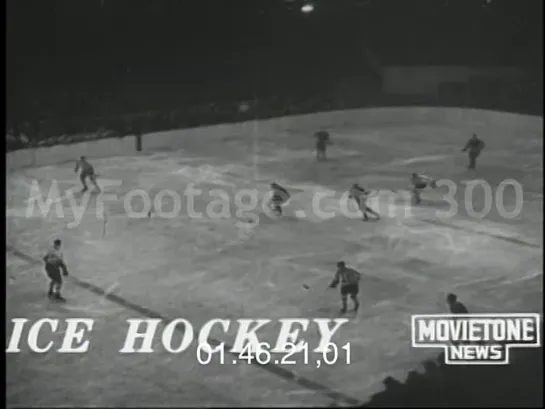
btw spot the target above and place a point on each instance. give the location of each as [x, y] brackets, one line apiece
[420, 182]
[360, 196]
[87, 171]
[280, 196]
[350, 284]
[54, 266]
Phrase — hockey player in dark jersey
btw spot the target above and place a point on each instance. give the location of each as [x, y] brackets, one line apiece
[349, 279]
[55, 269]
[322, 140]
[474, 146]
[455, 306]
[420, 182]
[279, 197]
[86, 171]
[360, 196]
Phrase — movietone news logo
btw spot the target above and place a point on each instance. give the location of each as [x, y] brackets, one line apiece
[476, 339]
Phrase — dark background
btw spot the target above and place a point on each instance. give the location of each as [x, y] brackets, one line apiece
[69, 58]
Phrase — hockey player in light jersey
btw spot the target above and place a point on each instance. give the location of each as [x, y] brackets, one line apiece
[360, 196]
[350, 283]
[420, 182]
[279, 197]
[86, 171]
[474, 145]
[55, 269]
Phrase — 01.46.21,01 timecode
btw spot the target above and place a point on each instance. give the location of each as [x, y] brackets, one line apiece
[263, 354]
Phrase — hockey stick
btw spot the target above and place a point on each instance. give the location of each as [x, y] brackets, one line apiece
[104, 225]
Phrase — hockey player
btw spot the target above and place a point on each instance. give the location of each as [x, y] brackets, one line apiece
[279, 197]
[420, 182]
[455, 306]
[474, 146]
[322, 140]
[86, 171]
[55, 269]
[360, 196]
[350, 281]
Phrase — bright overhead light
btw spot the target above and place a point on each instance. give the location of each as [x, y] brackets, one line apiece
[307, 8]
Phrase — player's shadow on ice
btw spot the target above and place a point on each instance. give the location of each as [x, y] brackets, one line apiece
[327, 310]
[265, 219]
[433, 204]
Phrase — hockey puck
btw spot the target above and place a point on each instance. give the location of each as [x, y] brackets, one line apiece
[305, 286]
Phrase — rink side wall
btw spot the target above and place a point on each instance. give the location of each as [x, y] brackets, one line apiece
[469, 120]
[427, 80]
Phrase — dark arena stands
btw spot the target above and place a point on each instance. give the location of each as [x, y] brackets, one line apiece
[162, 96]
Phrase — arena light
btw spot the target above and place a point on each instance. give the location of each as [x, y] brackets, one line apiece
[307, 8]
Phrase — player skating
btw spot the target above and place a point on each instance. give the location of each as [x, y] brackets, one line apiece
[474, 146]
[86, 171]
[279, 197]
[420, 182]
[350, 282]
[322, 140]
[360, 196]
[55, 269]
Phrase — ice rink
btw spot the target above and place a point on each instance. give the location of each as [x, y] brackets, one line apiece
[242, 266]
